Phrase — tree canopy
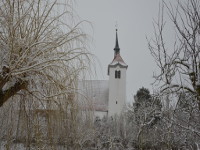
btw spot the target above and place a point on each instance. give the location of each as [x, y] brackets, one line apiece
[42, 49]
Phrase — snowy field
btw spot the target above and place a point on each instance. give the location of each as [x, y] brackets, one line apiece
[20, 146]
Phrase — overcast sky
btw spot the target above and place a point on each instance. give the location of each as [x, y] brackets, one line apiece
[134, 19]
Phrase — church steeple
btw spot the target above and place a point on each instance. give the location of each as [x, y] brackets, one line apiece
[117, 57]
[117, 82]
[116, 49]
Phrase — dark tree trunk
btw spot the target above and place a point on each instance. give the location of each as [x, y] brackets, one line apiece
[5, 95]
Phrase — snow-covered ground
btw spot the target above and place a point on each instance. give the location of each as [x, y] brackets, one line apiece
[20, 146]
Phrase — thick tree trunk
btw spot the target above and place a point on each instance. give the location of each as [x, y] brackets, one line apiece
[5, 95]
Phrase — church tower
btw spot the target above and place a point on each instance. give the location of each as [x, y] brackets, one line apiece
[117, 82]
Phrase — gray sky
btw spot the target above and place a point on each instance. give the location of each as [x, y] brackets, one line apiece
[134, 19]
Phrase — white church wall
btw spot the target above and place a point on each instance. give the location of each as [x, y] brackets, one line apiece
[93, 96]
[117, 91]
[100, 114]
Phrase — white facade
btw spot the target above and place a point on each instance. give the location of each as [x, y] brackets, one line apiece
[100, 114]
[117, 90]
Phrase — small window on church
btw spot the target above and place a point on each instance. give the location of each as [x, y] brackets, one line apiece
[116, 102]
[118, 74]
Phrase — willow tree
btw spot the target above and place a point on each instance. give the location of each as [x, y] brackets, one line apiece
[42, 49]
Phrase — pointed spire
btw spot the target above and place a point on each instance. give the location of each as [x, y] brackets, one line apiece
[116, 49]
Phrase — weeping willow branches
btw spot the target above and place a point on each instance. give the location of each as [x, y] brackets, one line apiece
[42, 49]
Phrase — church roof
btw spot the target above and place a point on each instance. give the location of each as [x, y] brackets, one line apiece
[117, 57]
[118, 60]
[94, 94]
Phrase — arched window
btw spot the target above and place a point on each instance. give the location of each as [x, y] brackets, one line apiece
[117, 74]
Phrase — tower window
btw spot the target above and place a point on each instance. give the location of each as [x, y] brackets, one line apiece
[116, 102]
[117, 74]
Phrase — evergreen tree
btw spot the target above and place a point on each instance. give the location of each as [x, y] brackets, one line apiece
[145, 106]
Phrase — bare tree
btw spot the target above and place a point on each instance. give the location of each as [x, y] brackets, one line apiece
[42, 49]
[179, 66]
[179, 63]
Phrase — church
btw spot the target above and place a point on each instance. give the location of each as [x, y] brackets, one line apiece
[107, 97]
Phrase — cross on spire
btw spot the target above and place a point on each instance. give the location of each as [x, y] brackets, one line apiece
[116, 25]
